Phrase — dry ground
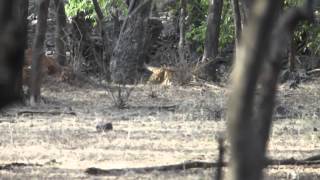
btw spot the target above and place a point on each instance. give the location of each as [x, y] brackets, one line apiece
[147, 133]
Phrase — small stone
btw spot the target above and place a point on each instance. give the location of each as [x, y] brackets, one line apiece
[104, 127]
[315, 129]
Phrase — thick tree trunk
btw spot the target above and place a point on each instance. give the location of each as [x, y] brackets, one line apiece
[60, 32]
[38, 51]
[236, 20]
[128, 54]
[211, 46]
[263, 43]
[12, 43]
[181, 45]
[247, 157]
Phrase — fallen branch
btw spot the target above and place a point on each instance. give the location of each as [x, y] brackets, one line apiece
[314, 160]
[53, 113]
[11, 166]
[156, 108]
[175, 167]
[313, 71]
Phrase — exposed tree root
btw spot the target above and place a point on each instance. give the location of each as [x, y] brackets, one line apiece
[314, 160]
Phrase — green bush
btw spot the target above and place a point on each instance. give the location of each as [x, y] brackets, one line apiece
[86, 6]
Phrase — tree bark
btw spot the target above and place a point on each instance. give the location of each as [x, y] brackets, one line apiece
[211, 46]
[12, 43]
[98, 10]
[60, 32]
[291, 55]
[247, 157]
[23, 14]
[263, 43]
[38, 51]
[181, 45]
[127, 58]
[245, 6]
[282, 34]
[236, 20]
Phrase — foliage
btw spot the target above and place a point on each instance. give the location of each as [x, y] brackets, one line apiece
[197, 25]
[86, 6]
[307, 35]
[198, 11]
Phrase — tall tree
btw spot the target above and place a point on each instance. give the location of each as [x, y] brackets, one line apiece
[127, 57]
[60, 31]
[211, 46]
[38, 51]
[236, 20]
[182, 29]
[12, 43]
[262, 46]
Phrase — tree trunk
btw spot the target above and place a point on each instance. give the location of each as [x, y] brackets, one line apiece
[236, 20]
[247, 157]
[211, 46]
[60, 32]
[291, 55]
[98, 10]
[183, 14]
[23, 14]
[12, 43]
[38, 51]
[245, 6]
[263, 43]
[127, 58]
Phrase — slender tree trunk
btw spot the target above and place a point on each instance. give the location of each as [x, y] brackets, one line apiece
[236, 20]
[60, 32]
[98, 10]
[12, 43]
[115, 13]
[183, 14]
[38, 51]
[245, 6]
[23, 13]
[211, 46]
[291, 55]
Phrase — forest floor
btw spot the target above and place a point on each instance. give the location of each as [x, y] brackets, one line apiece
[161, 125]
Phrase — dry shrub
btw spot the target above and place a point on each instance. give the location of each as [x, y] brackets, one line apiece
[183, 73]
[120, 95]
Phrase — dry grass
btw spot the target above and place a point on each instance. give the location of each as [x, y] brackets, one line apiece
[145, 134]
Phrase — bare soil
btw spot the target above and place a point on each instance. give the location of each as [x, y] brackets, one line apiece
[161, 125]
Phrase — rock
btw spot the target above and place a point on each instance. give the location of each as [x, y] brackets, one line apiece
[104, 127]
